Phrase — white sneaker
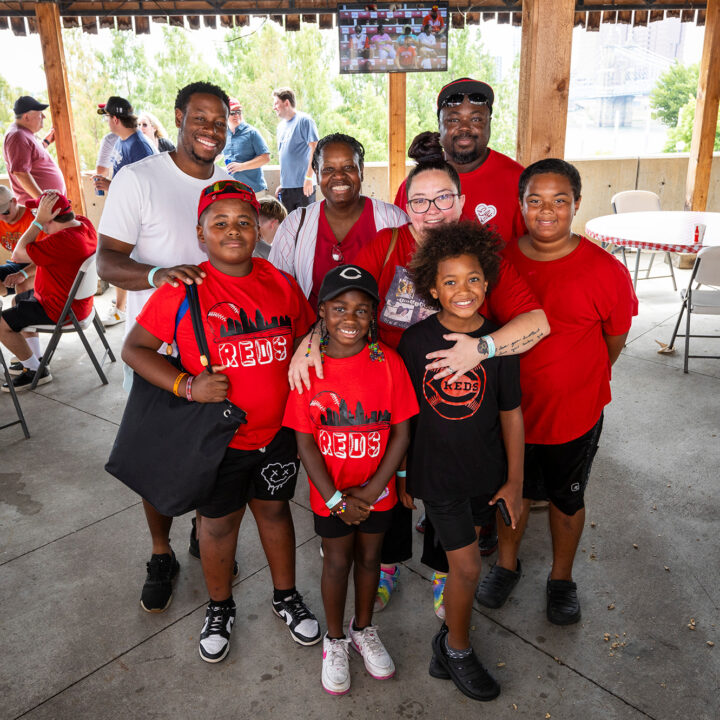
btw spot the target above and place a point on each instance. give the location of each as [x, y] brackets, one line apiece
[376, 658]
[113, 316]
[336, 666]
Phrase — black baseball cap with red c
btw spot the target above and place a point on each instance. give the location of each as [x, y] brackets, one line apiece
[348, 277]
[25, 103]
[479, 93]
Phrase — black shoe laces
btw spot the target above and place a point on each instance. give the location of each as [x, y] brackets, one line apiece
[218, 619]
[296, 608]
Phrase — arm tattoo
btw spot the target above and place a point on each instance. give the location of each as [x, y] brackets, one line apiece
[482, 347]
[517, 345]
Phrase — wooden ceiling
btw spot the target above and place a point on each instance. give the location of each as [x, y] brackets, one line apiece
[193, 14]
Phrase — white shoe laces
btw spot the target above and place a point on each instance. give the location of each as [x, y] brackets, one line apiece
[338, 652]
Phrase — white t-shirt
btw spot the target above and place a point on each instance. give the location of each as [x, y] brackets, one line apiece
[152, 204]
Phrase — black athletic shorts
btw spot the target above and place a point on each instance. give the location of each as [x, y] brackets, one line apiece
[333, 527]
[455, 520]
[560, 473]
[26, 311]
[266, 474]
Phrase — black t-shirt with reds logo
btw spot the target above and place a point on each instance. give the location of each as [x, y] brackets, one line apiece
[250, 324]
[456, 449]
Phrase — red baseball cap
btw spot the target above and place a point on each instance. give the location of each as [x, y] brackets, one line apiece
[235, 104]
[223, 189]
[62, 204]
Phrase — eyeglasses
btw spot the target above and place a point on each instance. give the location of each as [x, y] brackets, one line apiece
[236, 112]
[441, 202]
[7, 212]
[337, 254]
[457, 99]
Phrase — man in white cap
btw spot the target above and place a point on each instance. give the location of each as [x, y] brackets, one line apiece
[29, 165]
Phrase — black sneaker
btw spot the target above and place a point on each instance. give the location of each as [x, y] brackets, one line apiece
[157, 590]
[194, 548]
[215, 635]
[16, 368]
[563, 606]
[24, 380]
[302, 623]
[496, 586]
[436, 670]
[468, 674]
[488, 539]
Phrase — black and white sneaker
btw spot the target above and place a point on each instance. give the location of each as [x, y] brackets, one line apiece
[16, 368]
[302, 624]
[215, 635]
[24, 380]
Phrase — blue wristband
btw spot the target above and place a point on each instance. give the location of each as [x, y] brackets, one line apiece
[37, 224]
[334, 500]
[491, 346]
[24, 273]
[151, 276]
[401, 473]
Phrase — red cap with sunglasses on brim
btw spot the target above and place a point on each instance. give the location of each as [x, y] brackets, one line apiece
[454, 92]
[223, 190]
[234, 104]
[62, 204]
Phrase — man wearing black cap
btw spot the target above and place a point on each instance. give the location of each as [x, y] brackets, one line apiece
[29, 165]
[488, 178]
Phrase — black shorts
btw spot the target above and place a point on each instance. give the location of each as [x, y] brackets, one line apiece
[455, 520]
[27, 311]
[267, 474]
[559, 473]
[334, 527]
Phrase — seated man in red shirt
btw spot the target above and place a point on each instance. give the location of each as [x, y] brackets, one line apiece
[69, 240]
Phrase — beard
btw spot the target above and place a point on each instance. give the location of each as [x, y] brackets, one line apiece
[467, 157]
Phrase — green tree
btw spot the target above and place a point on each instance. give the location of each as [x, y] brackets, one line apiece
[680, 136]
[8, 96]
[672, 91]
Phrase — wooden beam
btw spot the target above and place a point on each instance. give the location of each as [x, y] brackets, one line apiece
[544, 78]
[706, 114]
[396, 131]
[48, 18]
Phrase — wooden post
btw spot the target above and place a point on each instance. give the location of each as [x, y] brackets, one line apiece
[48, 17]
[706, 114]
[547, 27]
[396, 132]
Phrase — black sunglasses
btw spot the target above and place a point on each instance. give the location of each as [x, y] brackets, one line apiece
[457, 99]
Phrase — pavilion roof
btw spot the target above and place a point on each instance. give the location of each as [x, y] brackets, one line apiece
[126, 15]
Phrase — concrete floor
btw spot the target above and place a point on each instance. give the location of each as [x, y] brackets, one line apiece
[75, 643]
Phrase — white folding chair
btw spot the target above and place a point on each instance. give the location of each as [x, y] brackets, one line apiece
[639, 201]
[706, 272]
[84, 286]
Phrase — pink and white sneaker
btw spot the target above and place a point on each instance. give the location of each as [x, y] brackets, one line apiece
[336, 666]
[376, 658]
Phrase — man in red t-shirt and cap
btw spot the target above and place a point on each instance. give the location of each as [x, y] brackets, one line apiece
[68, 241]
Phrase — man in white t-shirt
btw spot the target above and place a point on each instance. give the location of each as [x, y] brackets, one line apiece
[148, 238]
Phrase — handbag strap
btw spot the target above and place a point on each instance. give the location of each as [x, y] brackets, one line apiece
[391, 247]
[302, 222]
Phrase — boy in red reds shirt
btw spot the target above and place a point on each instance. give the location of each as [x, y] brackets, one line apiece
[252, 314]
[353, 430]
[588, 297]
[69, 240]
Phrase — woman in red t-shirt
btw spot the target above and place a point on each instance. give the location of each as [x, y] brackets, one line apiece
[331, 232]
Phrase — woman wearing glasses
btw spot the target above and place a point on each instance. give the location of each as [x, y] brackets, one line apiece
[333, 231]
[154, 131]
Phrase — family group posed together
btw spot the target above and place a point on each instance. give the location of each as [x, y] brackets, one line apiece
[451, 352]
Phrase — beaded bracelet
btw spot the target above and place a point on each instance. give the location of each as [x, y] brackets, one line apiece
[178, 380]
[309, 347]
[188, 388]
[342, 507]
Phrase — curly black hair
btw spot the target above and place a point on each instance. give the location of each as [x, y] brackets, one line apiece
[183, 97]
[554, 166]
[449, 241]
[355, 145]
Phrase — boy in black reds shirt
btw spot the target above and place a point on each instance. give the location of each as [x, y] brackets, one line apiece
[466, 450]
[252, 315]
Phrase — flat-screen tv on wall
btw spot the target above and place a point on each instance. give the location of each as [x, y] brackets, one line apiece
[393, 37]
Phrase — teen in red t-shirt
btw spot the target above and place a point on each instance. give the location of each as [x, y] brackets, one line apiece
[252, 315]
[588, 297]
[353, 430]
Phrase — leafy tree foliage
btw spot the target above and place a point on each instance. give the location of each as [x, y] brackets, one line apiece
[672, 91]
[680, 136]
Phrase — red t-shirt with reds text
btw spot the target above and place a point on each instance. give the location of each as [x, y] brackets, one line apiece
[58, 258]
[400, 307]
[491, 195]
[250, 323]
[565, 379]
[349, 413]
[10, 233]
[359, 235]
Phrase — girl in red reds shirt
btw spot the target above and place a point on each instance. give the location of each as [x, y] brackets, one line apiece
[352, 430]
[252, 314]
[588, 297]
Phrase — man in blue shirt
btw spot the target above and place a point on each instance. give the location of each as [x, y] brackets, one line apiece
[246, 151]
[297, 137]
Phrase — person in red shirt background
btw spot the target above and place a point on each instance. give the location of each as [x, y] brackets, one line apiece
[590, 302]
[434, 20]
[68, 241]
[252, 316]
